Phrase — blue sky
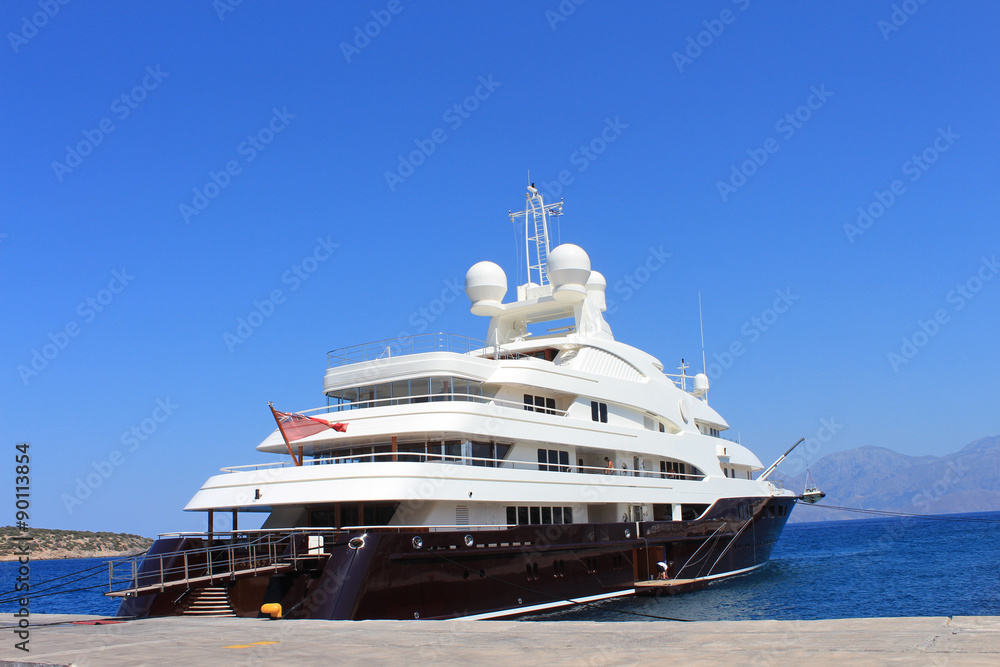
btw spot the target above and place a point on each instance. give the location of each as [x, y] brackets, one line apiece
[165, 166]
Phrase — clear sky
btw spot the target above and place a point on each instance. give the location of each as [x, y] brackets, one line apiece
[168, 166]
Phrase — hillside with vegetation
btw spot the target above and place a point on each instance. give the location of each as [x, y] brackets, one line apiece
[48, 544]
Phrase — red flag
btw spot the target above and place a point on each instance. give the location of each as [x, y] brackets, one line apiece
[296, 427]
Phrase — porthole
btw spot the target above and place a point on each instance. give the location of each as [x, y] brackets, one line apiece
[418, 542]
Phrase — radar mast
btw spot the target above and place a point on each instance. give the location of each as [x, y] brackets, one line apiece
[536, 232]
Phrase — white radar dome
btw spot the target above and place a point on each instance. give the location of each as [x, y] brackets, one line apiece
[568, 269]
[700, 384]
[486, 285]
[596, 286]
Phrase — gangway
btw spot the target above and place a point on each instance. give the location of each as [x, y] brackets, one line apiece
[225, 557]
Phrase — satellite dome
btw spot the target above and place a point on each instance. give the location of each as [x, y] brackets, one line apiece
[568, 269]
[700, 384]
[596, 286]
[486, 285]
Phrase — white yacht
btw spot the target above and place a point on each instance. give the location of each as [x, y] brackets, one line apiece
[546, 465]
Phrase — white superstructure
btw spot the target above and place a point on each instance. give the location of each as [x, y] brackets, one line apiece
[444, 431]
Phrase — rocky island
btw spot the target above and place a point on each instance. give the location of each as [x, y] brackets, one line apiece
[49, 544]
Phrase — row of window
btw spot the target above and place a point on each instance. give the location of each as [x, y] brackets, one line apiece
[403, 392]
[526, 516]
[419, 452]
[731, 473]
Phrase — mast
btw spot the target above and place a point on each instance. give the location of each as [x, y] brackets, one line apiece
[536, 233]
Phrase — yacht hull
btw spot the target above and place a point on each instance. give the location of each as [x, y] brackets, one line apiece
[506, 572]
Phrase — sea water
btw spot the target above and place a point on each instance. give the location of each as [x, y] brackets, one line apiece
[946, 566]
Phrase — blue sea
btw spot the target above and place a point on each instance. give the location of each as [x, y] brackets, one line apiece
[948, 566]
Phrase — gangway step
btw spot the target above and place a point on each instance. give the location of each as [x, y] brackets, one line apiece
[211, 601]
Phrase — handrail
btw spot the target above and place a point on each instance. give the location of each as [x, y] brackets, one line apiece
[515, 464]
[431, 398]
[269, 547]
[417, 344]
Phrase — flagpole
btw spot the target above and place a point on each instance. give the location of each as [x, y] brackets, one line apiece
[291, 453]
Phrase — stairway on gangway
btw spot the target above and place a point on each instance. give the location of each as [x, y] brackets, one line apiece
[209, 601]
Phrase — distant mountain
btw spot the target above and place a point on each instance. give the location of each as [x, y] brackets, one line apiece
[881, 479]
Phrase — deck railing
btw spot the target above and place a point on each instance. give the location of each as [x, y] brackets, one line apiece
[418, 344]
[403, 456]
[442, 397]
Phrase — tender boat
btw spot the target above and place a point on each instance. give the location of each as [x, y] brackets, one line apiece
[546, 465]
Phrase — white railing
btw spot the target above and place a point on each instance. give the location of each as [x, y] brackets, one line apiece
[421, 343]
[443, 397]
[403, 456]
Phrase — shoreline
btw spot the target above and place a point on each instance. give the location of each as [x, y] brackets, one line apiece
[69, 555]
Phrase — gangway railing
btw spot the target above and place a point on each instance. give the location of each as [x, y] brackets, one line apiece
[226, 557]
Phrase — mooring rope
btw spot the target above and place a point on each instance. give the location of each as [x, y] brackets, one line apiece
[937, 517]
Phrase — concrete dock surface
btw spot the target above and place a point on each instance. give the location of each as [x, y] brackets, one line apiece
[64, 640]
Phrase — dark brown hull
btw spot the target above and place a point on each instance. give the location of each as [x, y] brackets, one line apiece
[506, 572]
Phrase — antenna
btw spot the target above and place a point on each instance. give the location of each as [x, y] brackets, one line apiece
[536, 233]
[701, 322]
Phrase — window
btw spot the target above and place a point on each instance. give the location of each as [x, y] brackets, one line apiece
[553, 460]
[540, 404]
[536, 515]
[482, 450]
[599, 412]
[522, 515]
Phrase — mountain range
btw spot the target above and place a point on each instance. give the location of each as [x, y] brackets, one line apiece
[877, 478]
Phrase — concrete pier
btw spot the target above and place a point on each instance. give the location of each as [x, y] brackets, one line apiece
[62, 640]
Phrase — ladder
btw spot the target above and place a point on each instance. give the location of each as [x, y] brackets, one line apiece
[536, 233]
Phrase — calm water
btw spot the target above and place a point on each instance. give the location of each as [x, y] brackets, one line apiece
[843, 569]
